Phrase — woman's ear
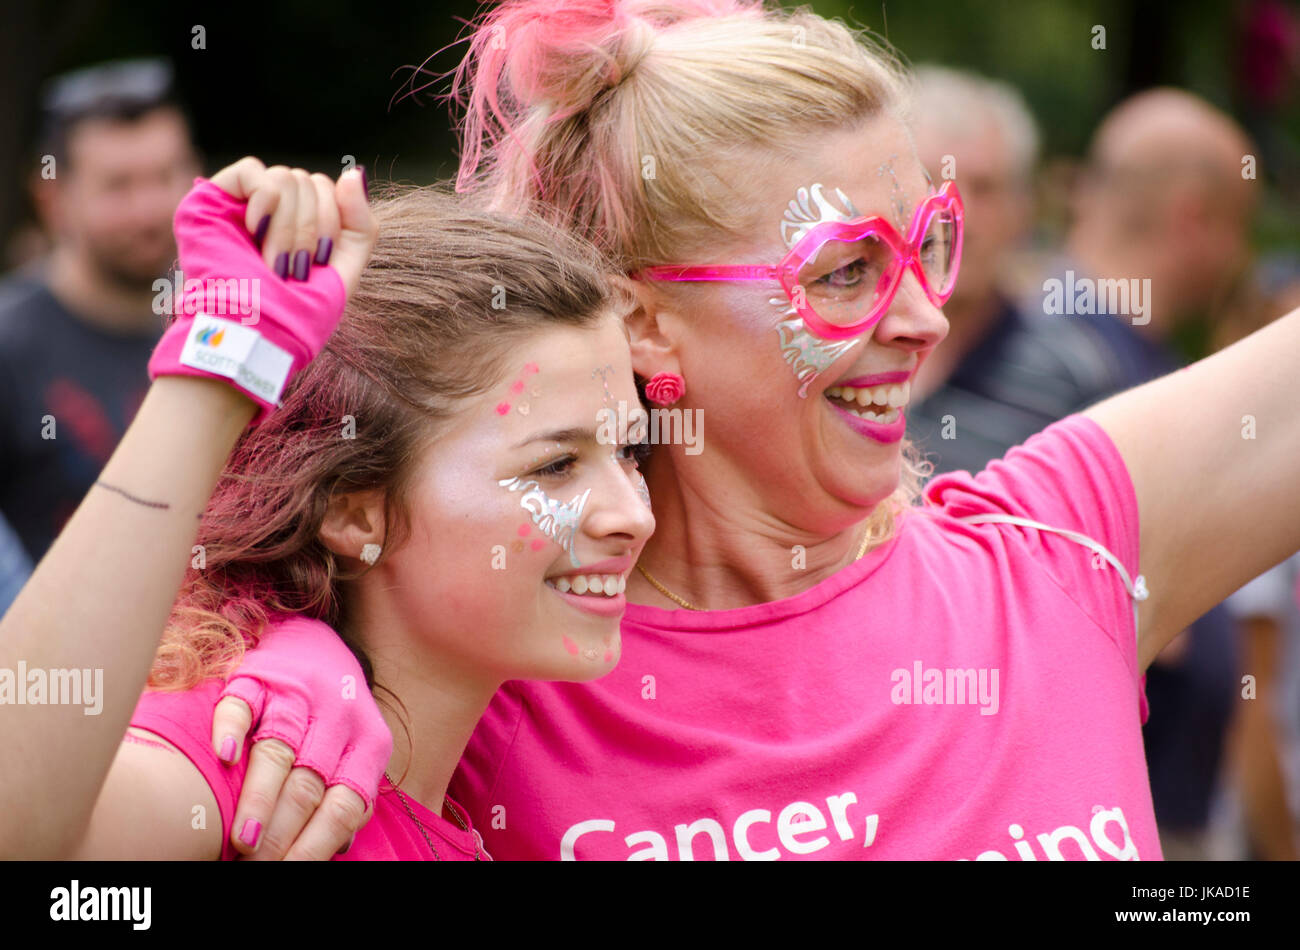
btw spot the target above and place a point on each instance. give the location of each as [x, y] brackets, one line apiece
[651, 328]
[352, 521]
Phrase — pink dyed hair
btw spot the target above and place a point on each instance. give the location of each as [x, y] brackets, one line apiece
[564, 102]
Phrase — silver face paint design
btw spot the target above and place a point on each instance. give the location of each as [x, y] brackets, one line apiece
[810, 208]
[556, 520]
[809, 355]
[897, 196]
[638, 482]
[603, 372]
[642, 489]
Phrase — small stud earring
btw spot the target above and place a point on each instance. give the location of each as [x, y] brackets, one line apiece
[370, 553]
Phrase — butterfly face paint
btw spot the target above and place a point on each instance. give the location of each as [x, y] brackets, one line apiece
[807, 355]
[556, 520]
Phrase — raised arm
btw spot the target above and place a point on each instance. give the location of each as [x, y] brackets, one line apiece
[100, 598]
[1214, 454]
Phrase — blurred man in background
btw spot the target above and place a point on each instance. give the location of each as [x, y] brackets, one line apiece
[113, 161]
[1164, 197]
[999, 377]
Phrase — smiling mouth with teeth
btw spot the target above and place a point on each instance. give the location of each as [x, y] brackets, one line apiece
[880, 404]
[607, 585]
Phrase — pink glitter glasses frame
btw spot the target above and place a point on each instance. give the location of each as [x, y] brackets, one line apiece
[906, 254]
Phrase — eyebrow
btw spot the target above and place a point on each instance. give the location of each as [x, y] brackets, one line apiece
[572, 434]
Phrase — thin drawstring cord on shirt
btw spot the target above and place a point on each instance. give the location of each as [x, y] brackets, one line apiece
[1137, 588]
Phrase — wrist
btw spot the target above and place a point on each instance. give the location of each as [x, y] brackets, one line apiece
[207, 396]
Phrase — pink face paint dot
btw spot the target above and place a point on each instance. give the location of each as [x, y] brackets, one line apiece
[503, 408]
[570, 646]
[530, 367]
[517, 387]
[609, 656]
[524, 530]
[537, 544]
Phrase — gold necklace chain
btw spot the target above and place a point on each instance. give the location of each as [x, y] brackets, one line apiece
[683, 602]
[420, 825]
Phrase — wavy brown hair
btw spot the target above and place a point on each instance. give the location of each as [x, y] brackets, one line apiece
[420, 335]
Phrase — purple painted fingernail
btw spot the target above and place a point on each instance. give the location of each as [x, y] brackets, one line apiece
[281, 267]
[228, 749]
[365, 181]
[260, 234]
[301, 265]
[252, 831]
[324, 248]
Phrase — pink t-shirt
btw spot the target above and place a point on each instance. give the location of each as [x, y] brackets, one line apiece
[961, 692]
[185, 720]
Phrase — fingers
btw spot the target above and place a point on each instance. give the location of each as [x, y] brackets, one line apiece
[281, 232]
[269, 765]
[241, 179]
[327, 219]
[298, 801]
[298, 220]
[282, 212]
[357, 227]
[230, 724]
[304, 235]
[332, 828]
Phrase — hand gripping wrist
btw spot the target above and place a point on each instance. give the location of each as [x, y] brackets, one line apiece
[306, 689]
[235, 319]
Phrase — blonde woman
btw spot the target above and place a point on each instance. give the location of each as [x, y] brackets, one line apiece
[816, 666]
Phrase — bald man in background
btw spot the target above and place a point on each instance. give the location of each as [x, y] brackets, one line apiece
[1163, 198]
[1162, 205]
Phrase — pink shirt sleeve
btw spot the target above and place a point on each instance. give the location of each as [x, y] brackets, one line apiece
[184, 719]
[1069, 476]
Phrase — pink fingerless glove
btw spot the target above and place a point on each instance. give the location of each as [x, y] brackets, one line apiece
[257, 352]
[307, 690]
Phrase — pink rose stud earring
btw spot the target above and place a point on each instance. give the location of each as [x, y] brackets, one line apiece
[664, 389]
